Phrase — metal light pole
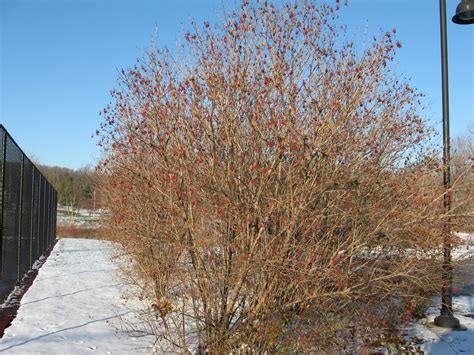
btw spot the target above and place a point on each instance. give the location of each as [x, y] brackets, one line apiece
[464, 15]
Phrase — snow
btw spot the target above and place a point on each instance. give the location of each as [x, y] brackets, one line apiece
[438, 341]
[80, 218]
[19, 290]
[466, 248]
[75, 305]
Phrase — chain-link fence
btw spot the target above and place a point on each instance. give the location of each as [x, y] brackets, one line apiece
[27, 211]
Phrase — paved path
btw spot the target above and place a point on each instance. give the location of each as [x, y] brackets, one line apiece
[74, 306]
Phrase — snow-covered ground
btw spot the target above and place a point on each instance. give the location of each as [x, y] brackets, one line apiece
[438, 341]
[81, 218]
[466, 248]
[75, 306]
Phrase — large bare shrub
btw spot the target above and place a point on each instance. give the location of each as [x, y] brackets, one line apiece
[273, 185]
[463, 174]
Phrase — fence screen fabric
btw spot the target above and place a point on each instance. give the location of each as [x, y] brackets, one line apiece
[27, 210]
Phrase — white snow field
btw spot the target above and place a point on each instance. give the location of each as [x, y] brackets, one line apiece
[75, 306]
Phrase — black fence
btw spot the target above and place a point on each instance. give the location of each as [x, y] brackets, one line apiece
[27, 211]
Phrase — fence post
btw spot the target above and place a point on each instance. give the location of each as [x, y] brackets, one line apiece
[55, 220]
[41, 218]
[32, 219]
[2, 181]
[36, 215]
[45, 214]
[48, 220]
[51, 198]
[38, 219]
[20, 217]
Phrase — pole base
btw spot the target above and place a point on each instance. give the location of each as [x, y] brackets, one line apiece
[448, 321]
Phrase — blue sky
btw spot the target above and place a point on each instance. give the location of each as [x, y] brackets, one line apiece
[59, 60]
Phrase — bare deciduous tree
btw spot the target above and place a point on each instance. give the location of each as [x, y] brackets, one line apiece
[275, 189]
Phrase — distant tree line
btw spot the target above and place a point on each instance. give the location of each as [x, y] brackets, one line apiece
[75, 187]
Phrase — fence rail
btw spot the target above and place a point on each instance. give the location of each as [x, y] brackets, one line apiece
[27, 211]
